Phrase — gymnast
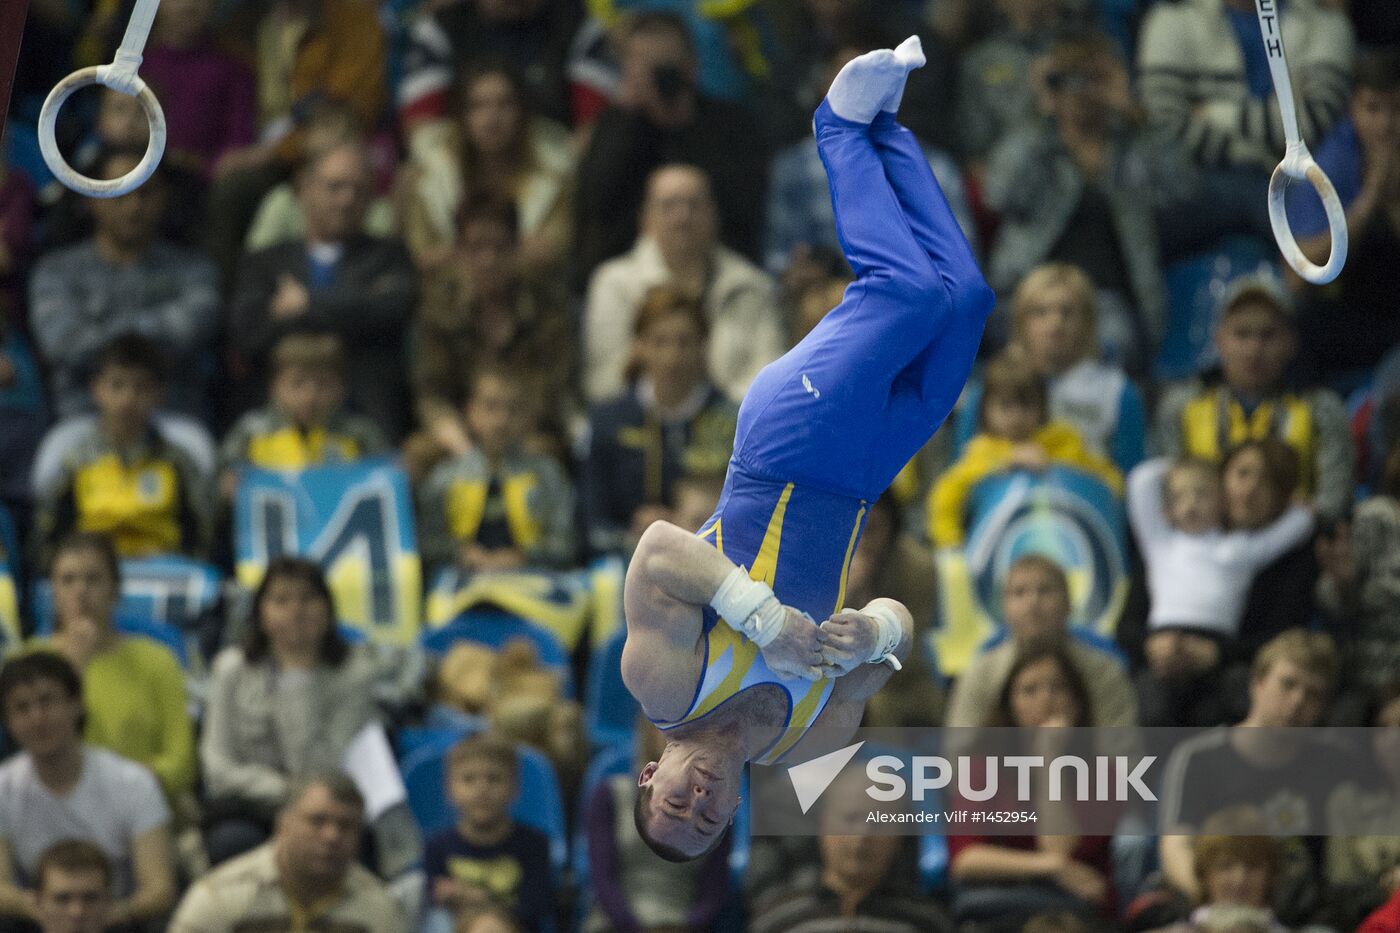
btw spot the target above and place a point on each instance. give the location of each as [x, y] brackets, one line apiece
[723, 651]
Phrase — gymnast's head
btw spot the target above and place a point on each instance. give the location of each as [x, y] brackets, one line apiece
[686, 798]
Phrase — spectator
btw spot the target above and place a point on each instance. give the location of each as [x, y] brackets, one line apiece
[306, 874]
[671, 421]
[1289, 685]
[680, 247]
[533, 36]
[133, 689]
[1256, 340]
[801, 222]
[1081, 188]
[697, 497]
[1385, 918]
[658, 118]
[120, 474]
[887, 562]
[1345, 327]
[337, 279]
[636, 889]
[493, 147]
[499, 506]
[1008, 879]
[283, 705]
[1199, 577]
[1359, 588]
[486, 919]
[487, 857]
[125, 279]
[1035, 602]
[1014, 433]
[1204, 74]
[57, 788]
[856, 883]
[73, 888]
[994, 81]
[304, 423]
[1054, 322]
[479, 311]
[208, 96]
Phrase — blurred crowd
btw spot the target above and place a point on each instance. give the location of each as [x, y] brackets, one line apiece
[535, 251]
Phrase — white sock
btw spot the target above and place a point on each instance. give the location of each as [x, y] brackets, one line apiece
[910, 55]
[864, 84]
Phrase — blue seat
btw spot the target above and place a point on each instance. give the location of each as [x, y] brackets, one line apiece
[539, 803]
[609, 710]
[494, 629]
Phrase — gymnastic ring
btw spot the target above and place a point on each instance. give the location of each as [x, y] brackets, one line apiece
[71, 178]
[1299, 164]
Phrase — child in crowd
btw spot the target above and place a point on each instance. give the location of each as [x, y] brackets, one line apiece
[499, 506]
[1198, 574]
[487, 858]
[305, 423]
[121, 475]
[1015, 433]
[1054, 321]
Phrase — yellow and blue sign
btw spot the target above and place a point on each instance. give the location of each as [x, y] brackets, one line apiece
[10, 632]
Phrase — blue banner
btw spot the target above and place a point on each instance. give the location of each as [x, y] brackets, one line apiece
[1068, 516]
[356, 520]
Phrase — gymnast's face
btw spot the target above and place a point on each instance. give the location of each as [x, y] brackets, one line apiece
[694, 793]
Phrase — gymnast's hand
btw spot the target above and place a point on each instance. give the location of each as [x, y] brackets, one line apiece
[850, 638]
[797, 651]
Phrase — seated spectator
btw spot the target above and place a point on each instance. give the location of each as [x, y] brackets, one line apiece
[121, 280]
[1007, 879]
[680, 247]
[120, 474]
[800, 216]
[1289, 686]
[1385, 918]
[1204, 77]
[1198, 575]
[1256, 339]
[337, 279]
[697, 497]
[285, 704]
[492, 147]
[534, 36]
[499, 506]
[304, 423]
[1054, 323]
[133, 688]
[887, 562]
[1081, 188]
[486, 918]
[633, 887]
[1035, 603]
[856, 883]
[279, 216]
[208, 95]
[1014, 432]
[659, 118]
[1238, 877]
[1359, 588]
[73, 888]
[305, 875]
[1344, 326]
[478, 310]
[57, 788]
[671, 421]
[487, 857]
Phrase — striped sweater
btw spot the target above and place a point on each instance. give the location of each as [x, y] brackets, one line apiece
[1192, 80]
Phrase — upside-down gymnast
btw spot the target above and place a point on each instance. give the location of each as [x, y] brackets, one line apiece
[722, 651]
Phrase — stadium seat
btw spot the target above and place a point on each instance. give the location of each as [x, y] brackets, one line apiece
[539, 804]
[609, 711]
[494, 629]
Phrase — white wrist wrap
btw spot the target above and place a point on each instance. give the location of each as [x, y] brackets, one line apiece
[749, 607]
[890, 632]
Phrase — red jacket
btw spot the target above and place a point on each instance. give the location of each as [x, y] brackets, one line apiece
[1385, 918]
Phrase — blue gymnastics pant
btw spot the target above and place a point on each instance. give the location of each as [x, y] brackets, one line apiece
[847, 408]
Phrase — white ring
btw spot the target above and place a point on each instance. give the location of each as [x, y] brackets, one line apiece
[94, 187]
[1300, 165]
